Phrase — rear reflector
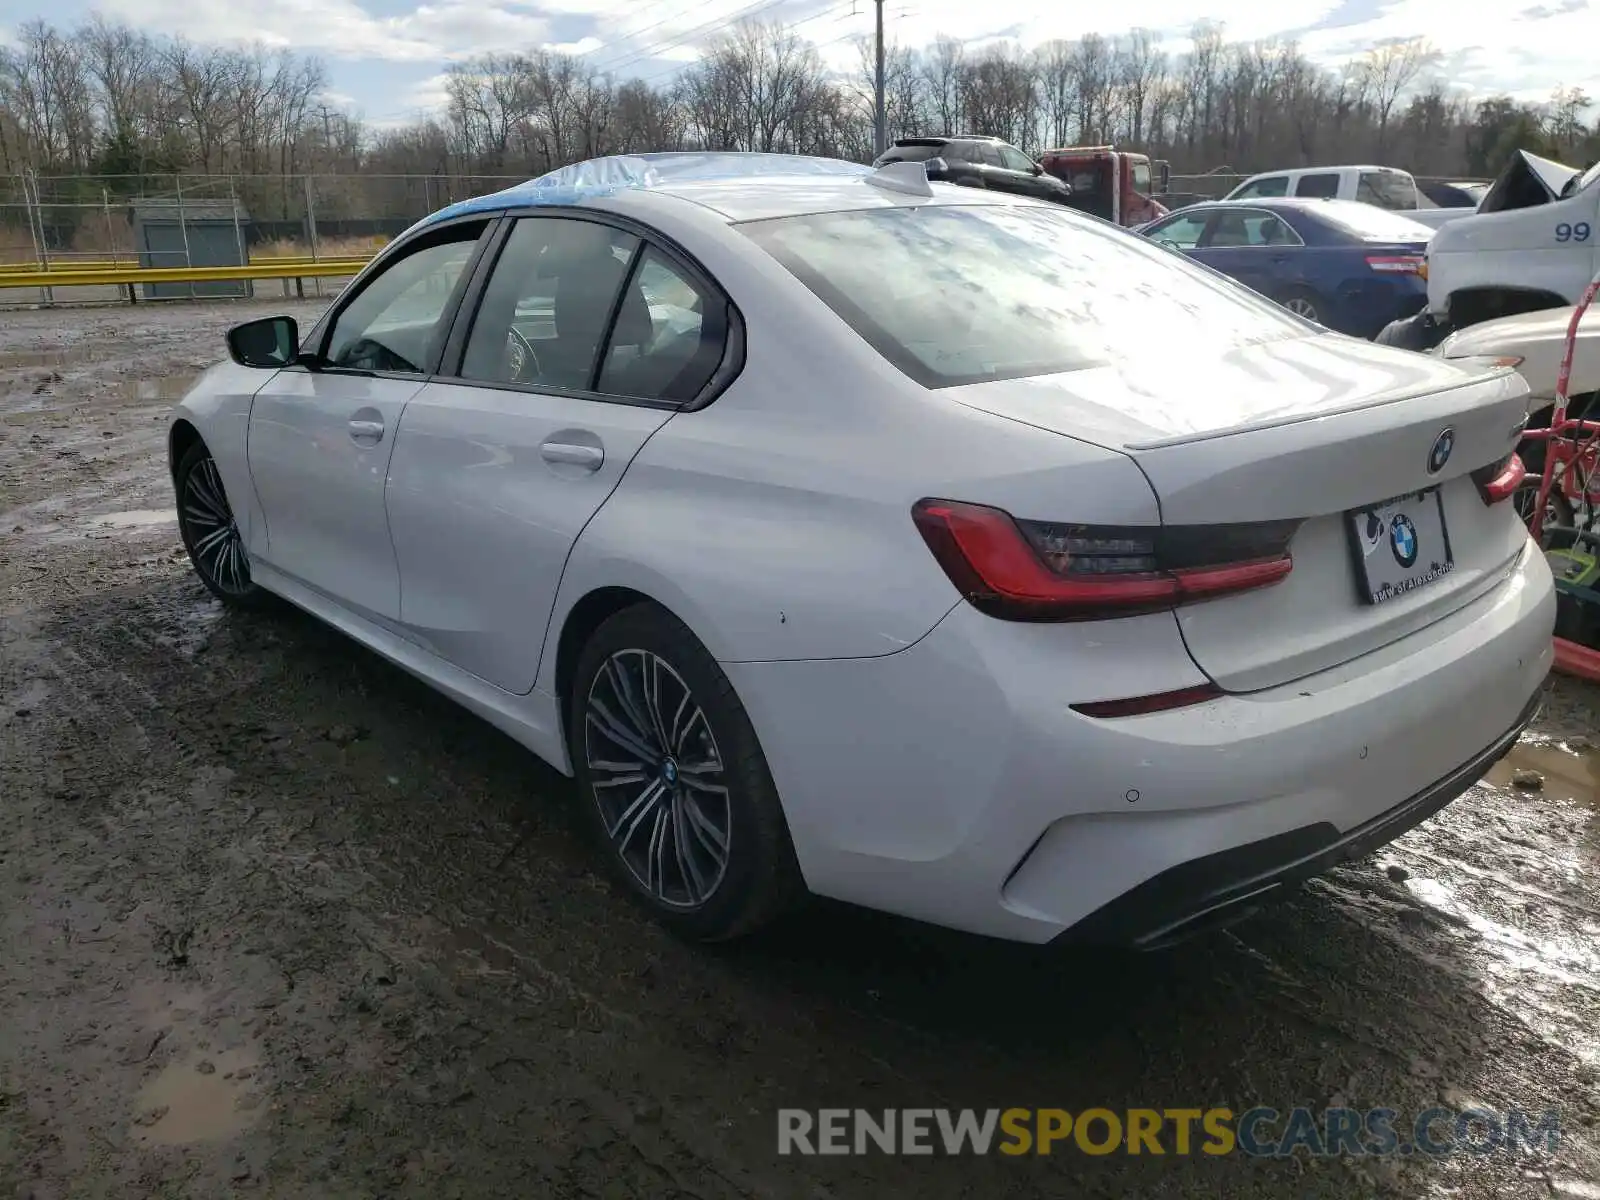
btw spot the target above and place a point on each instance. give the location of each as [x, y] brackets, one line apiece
[1049, 571]
[1499, 480]
[1397, 264]
[1161, 702]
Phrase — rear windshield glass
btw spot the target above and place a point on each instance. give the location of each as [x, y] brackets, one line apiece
[911, 153]
[1372, 224]
[964, 294]
[1387, 189]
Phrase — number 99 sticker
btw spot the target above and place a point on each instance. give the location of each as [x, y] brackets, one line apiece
[1577, 231]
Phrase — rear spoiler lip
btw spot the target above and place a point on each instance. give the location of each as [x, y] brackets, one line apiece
[1376, 401]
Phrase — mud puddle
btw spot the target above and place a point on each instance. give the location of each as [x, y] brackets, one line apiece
[199, 1099]
[13, 360]
[1553, 770]
[169, 387]
[137, 518]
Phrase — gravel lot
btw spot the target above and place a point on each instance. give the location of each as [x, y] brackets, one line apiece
[277, 921]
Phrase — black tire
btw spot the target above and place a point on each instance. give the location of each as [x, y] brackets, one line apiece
[206, 524]
[1304, 303]
[614, 734]
[1557, 508]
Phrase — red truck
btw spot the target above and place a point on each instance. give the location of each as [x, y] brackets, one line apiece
[1115, 185]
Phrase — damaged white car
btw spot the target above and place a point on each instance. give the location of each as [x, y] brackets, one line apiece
[1534, 343]
[1530, 246]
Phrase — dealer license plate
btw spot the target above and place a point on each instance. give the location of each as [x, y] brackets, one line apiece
[1400, 545]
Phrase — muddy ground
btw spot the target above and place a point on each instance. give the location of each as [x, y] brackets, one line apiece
[266, 927]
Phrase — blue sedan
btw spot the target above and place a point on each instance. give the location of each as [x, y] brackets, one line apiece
[1349, 266]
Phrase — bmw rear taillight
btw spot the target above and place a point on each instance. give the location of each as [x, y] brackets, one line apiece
[1398, 264]
[1051, 571]
[1499, 480]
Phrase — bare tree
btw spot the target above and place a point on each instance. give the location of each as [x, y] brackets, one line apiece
[1057, 67]
[108, 99]
[1385, 73]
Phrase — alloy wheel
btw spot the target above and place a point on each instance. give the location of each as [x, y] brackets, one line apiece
[657, 778]
[1302, 307]
[213, 534]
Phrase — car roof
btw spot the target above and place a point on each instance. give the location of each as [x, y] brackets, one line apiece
[939, 139]
[736, 186]
[1328, 170]
[1287, 203]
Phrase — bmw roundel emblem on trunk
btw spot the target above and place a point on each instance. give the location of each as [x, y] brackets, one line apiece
[1440, 454]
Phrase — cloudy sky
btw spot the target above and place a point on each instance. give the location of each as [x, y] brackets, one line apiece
[384, 56]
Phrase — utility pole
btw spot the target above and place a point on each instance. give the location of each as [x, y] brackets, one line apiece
[880, 116]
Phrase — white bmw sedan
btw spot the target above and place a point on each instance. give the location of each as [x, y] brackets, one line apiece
[941, 551]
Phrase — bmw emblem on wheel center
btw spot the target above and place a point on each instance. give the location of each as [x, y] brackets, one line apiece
[1403, 540]
[1440, 454]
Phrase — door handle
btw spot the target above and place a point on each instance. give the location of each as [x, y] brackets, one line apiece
[366, 431]
[573, 454]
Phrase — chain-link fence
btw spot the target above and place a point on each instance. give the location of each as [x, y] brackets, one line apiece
[189, 220]
[59, 220]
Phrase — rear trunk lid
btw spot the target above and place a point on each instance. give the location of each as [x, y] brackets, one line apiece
[1325, 430]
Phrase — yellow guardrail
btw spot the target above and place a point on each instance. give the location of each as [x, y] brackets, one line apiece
[74, 276]
[125, 264]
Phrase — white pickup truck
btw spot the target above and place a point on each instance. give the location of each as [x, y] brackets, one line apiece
[1534, 243]
[1386, 187]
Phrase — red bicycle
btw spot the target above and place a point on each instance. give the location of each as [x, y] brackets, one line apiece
[1560, 512]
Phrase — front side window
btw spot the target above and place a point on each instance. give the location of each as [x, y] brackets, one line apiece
[1141, 178]
[1272, 185]
[1387, 190]
[1181, 232]
[548, 304]
[965, 294]
[398, 320]
[1015, 160]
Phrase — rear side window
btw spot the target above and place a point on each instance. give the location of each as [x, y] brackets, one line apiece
[1272, 185]
[548, 304]
[1387, 190]
[669, 335]
[1324, 186]
[956, 294]
[1251, 227]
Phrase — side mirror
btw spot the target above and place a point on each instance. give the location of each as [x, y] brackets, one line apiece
[1037, 169]
[269, 343]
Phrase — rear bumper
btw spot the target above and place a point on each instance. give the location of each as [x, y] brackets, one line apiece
[953, 782]
[1218, 889]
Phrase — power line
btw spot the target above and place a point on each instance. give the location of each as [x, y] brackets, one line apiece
[673, 70]
[632, 35]
[749, 10]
